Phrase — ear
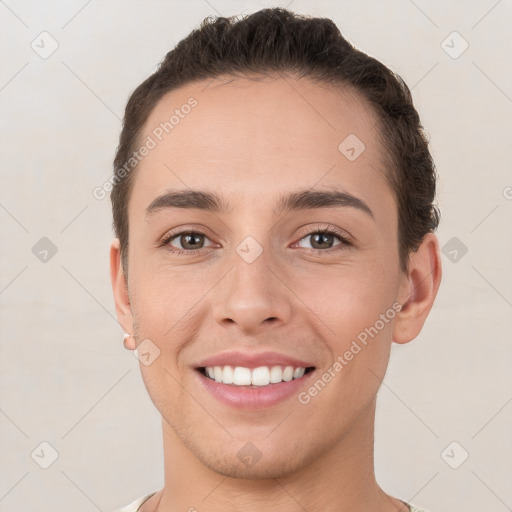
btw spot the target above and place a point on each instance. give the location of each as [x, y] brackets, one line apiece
[418, 289]
[120, 291]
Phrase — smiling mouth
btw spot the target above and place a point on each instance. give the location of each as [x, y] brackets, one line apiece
[240, 376]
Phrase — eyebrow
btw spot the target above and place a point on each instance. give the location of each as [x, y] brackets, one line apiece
[299, 200]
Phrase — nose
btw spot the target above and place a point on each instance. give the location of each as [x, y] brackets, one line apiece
[253, 295]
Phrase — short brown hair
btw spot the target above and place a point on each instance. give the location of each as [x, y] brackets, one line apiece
[275, 41]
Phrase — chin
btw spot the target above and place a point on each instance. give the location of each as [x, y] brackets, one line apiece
[262, 469]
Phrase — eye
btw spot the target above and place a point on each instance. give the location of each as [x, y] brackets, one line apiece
[188, 241]
[323, 239]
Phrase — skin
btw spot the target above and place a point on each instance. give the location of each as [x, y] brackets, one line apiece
[253, 140]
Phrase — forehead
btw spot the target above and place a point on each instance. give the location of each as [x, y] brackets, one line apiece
[260, 135]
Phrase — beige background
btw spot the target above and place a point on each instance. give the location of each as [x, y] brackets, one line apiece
[65, 377]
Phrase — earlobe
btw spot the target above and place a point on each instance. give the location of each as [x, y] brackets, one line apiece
[120, 288]
[129, 342]
[421, 285]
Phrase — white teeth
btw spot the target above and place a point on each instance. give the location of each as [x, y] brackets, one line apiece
[227, 375]
[298, 373]
[242, 376]
[261, 376]
[288, 373]
[276, 374]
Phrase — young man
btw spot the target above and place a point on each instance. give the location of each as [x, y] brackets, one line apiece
[273, 209]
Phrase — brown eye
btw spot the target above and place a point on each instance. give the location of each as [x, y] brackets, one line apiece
[322, 240]
[187, 241]
[191, 241]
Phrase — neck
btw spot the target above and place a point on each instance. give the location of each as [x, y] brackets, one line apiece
[342, 479]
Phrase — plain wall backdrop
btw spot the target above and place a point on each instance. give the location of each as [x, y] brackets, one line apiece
[67, 69]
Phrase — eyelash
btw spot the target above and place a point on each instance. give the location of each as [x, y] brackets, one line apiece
[345, 242]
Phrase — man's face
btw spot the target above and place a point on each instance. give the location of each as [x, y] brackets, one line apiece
[255, 278]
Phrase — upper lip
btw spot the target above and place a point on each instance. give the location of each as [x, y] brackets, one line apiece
[253, 360]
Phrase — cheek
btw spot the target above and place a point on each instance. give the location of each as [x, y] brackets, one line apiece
[162, 300]
[349, 300]
[360, 318]
[357, 308]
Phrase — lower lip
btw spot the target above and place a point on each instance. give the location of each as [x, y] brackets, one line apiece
[255, 397]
